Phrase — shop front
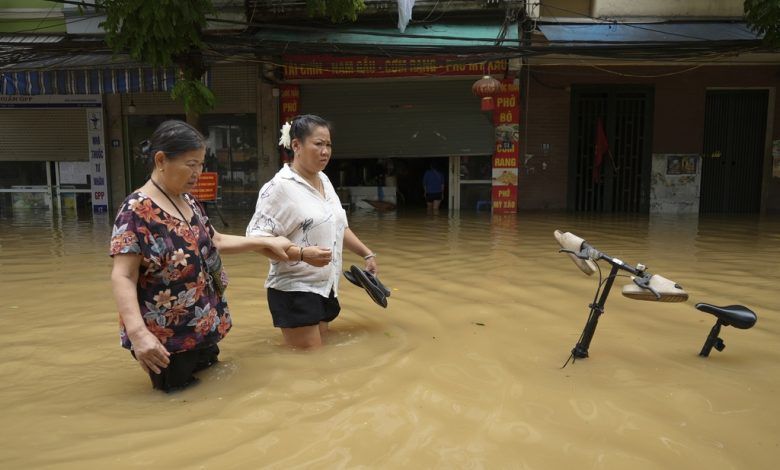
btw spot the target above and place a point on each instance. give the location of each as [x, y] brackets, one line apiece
[231, 130]
[231, 153]
[398, 121]
[52, 153]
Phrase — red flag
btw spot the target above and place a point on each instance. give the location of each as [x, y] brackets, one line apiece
[602, 147]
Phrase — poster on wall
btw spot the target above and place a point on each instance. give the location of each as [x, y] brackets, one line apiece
[681, 164]
[506, 155]
[74, 172]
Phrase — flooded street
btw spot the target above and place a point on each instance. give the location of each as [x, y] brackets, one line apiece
[462, 370]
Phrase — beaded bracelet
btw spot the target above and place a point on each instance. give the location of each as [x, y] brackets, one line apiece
[369, 256]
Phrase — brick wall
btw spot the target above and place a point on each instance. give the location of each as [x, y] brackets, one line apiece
[544, 161]
[678, 121]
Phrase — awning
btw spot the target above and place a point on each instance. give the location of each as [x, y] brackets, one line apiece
[86, 74]
[611, 33]
[425, 36]
[85, 82]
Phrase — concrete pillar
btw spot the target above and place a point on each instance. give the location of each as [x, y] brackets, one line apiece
[267, 131]
[115, 152]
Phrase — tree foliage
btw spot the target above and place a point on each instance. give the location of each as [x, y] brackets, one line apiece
[336, 10]
[763, 16]
[163, 33]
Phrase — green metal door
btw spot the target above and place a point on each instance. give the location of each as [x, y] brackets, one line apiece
[734, 146]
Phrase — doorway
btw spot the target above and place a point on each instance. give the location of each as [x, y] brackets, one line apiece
[733, 155]
[622, 182]
[470, 178]
[409, 176]
[232, 153]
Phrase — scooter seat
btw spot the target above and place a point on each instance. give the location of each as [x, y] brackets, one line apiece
[737, 316]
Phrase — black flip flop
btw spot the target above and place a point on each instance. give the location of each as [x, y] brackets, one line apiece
[371, 278]
[375, 289]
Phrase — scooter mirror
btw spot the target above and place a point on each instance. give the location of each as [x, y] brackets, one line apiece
[667, 289]
[571, 242]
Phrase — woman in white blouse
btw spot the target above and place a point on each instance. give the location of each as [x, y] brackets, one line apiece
[301, 204]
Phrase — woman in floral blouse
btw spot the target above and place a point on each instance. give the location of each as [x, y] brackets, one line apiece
[167, 277]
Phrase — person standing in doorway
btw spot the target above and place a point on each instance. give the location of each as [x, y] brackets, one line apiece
[433, 188]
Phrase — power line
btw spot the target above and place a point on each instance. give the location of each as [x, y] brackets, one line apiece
[620, 23]
[55, 25]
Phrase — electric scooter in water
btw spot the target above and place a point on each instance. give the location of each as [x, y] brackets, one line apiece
[645, 286]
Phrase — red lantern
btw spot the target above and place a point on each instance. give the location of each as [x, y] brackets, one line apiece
[485, 88]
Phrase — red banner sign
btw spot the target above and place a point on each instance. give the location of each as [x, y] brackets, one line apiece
[289, 102]
[289, 107]
[326, 66]
[205, 189]
[505, 199]
[506, 156]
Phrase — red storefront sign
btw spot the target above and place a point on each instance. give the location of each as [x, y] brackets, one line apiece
[506, 156]
[505, 199]
[205, 189]
[326, 66]
[289, 107]
[289, 102]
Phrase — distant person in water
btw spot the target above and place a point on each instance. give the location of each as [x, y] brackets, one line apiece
[167, 278]
[301, 204]
[433, 188]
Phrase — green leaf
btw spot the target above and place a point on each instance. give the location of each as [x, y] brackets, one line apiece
[336, 10]
[763, 17]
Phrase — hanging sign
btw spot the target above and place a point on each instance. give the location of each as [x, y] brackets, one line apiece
[506, 155]
[97, 160]
[298, 67]
[205, 189]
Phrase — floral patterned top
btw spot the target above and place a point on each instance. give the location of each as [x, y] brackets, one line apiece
[177, 300]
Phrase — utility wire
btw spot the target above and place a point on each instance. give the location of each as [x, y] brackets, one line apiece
[621, 23]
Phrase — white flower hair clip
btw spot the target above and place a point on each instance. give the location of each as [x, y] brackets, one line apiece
[284, 140]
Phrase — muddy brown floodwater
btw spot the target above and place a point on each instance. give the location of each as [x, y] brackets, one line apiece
[462, 370]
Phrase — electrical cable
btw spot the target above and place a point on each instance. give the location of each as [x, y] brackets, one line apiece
[620, 23]
[55, 25]
[682, 51]
[623, 74]
[426, 19]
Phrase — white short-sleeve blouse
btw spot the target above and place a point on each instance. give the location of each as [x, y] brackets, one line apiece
[289, 206]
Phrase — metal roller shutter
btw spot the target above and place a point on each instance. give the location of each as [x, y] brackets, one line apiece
[401, 119]
[43, 134]
[235, 87]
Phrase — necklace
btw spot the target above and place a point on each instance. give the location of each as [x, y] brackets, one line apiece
[171, 201]
[318, 186]
[215, 284]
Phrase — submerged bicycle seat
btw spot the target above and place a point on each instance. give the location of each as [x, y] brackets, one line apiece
[737, 316]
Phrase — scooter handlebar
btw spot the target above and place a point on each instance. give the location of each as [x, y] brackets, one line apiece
[646, 286]
[576, 248]
[588, 252]
[654, 287]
